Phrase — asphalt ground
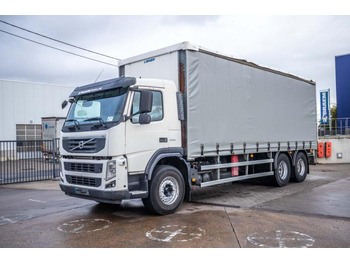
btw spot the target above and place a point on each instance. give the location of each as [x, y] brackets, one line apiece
[251, 214]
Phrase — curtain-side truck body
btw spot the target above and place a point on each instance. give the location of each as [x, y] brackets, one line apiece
[183, 117]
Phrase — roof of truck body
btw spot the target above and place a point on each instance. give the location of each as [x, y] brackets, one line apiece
[158, 52]
[192, 47]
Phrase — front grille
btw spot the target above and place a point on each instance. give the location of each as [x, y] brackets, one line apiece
[83, 167]
[84, 144]
[84, 181]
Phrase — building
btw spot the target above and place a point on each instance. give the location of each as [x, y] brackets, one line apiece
[23, 104]
[342, 75]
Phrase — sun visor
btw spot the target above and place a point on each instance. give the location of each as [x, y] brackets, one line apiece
[104, 85]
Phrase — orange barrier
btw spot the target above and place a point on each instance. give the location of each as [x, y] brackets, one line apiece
[320, 150]
[328, 149]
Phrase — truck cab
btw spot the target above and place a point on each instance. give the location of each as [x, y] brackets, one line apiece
[113, 131]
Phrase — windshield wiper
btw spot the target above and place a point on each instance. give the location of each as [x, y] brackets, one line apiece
[76, 123]
[96, 118]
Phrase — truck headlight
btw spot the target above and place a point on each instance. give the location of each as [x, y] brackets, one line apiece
[111, 170]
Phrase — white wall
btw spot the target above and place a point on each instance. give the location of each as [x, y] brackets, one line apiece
[340, 144]
[162, 67]
[22, 102]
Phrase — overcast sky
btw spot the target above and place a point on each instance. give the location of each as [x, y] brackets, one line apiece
[302, 45]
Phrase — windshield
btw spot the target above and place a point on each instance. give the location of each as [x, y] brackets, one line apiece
[106, 106]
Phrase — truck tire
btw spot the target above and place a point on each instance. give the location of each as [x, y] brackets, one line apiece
[300, 169]
[166, 190]
[283, 171]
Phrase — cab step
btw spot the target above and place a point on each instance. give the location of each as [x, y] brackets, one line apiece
[138, 194]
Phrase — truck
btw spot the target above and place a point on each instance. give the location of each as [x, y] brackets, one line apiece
[185, 117]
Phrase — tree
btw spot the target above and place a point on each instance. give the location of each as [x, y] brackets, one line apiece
[334, 111]
[334, 115]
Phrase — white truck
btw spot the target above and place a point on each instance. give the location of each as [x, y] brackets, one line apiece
[183, 117]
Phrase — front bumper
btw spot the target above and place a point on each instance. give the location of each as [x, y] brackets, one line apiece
[113, 197]
[87, 178]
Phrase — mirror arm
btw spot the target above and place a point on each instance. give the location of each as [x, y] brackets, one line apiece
[126, 118]
[136, 113]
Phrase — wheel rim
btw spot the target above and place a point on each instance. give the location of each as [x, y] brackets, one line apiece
[301, 167]
[283, 170]
[169, 190]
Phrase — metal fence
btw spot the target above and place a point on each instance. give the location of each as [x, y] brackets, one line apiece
[28, 160]
[337, 126]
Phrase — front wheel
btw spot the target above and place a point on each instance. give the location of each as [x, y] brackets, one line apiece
[166, 191]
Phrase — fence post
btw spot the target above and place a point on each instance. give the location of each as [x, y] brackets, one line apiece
[341, 127]
[54, 158]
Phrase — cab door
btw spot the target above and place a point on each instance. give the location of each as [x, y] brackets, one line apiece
[143, 140]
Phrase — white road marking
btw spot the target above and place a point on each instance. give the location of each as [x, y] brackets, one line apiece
[175, 233]
[35, 200]
[84, 226]
[281, 239]
[11, 219]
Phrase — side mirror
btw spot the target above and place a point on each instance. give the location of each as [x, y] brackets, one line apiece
[146, 101]
[144, 119]
[64, 104]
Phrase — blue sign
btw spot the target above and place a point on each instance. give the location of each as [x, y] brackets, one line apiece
[149, 60]
[324, 95]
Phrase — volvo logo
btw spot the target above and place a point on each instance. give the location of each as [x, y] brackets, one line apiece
[81, 144]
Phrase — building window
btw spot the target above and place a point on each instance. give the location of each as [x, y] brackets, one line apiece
[28, 132]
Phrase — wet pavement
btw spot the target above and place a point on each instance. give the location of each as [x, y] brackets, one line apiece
[315, 213]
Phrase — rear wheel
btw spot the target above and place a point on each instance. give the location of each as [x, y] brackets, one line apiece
[283, 171]
[166, 191]
[300, 169]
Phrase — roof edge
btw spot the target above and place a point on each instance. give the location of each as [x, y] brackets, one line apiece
[169, 49]
[251, 64]
[342, 55]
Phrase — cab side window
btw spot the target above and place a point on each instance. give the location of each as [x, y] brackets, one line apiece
[157, 107]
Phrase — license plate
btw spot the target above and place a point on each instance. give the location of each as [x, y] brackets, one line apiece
[82, 191]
